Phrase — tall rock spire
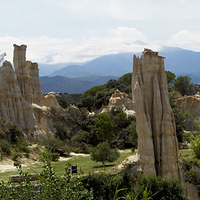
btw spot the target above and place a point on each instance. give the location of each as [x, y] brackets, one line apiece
[157, 141]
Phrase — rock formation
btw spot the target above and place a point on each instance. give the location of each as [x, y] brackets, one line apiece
[189, 104]
[157, 141]
[120, 101]
[21, 99]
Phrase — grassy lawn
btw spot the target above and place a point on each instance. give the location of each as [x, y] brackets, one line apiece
[85, 164]
[186, 153]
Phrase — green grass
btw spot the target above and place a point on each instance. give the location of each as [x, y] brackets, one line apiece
[84, 163]
[186, 153]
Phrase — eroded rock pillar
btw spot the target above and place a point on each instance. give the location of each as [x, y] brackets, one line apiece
[157, 141]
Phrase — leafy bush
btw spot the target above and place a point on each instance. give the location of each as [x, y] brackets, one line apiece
[122, 140]
[65, 99]
[189, 173]
[195, 145]
[103, 127]
[159, 188]
[15, 133]
[55, 156]
[56, 146]
[81, 141]
[5, 147]
[16, 156]
[183, 85]
[50, 187]
[102, 184]
[121, 120]
[22, 145]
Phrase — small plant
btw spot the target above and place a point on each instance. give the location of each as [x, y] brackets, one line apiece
[16, 164]
[55, 156]
[5, 148]
[16, 156]
[195, 145]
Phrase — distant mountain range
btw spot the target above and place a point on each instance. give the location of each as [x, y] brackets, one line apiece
[72, 86]
[76, 77]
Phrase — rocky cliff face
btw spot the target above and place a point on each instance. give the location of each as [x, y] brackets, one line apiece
[157, 142]
[21, 99]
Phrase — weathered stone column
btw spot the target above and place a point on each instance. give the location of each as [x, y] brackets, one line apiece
[157, 141]
[35, 87]
[19, 61]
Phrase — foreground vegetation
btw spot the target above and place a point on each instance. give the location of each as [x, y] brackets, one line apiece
[93, 186]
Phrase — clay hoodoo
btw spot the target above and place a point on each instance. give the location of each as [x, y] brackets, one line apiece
[157, 141]
[21, 99]
[119, 101]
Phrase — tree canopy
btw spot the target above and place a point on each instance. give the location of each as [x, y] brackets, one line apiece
[170, 77]
[103, 153]
[183, 85]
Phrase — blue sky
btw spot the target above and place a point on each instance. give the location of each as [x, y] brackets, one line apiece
[80, 30]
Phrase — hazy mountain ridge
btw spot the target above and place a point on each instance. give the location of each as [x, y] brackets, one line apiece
[100, 70]
[64, 84]
[177, 60]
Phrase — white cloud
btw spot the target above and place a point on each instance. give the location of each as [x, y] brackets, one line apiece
[186, 39]
[54, 50]
[183, 1]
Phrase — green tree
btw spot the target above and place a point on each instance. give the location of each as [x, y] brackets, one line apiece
[112, 83]
[180, 123]
[87, 102]
[103, 153]
[94, 90]
[133, 136]
[170, 77]
[125, 79]
[121, 120]
[102, 127]
[183, 85]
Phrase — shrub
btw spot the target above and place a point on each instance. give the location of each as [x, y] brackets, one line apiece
[22, 145]
[102, 184]
[195, 145]
[56, 146]
[5, 147]
[50, 187]
[159, 188]
[121, 120]
[16, 156]
[55, 156]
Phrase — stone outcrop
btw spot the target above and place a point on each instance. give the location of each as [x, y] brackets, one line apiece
[21, 99]
[157, 141]
[120, 101]
[189, 104]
